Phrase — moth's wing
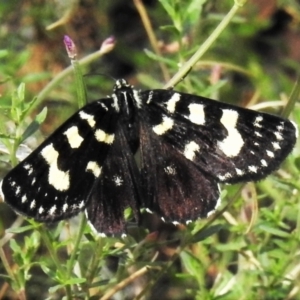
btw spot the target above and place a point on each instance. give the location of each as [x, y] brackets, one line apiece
[228, 143]
[55, 180]
[117, 188]
[173, 186]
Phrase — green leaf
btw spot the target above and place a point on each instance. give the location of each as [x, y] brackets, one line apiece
[40, 118]
[6, 136]
[168, 8]
[34, 125]
[27, 107]
[236, 245]
[21, 93]
[14, 246]
[47, 270]
[193, 10]
[274, 231]
[55, 288]
[21, 229]
[35, 77]
[204, 234]
[155, 57]
[17, 103]
[75, 281]
[192, 264]
[174, 12]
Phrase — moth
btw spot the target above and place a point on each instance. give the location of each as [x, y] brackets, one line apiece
[187, 145]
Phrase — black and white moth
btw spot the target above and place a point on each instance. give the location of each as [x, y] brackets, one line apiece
[188, 144]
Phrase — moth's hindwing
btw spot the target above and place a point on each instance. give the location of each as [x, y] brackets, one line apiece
[55, 181]
[118, 188]
[174, 187]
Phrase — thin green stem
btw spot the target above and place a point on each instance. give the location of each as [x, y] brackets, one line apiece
[7, 266]
[80, 88]
[13, 153]
[292, 99]
[47, 240]
[72, 259]
[62, 272]
[55, 81]
[92, 268]
[6, 238]
[150, 32]
[204, 47]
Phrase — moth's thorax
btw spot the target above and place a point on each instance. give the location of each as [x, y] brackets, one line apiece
[127, 102]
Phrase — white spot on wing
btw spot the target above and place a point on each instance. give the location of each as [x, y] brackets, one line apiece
[73, 137]
[18, 190]
[197, 115]
[149, 97]
[65, 207]
[118, 180]
[190, 150]
[257, 121]
[171, 104]
[148, 210]
[52, 210]
[94, 168]
[89, 118]
[252, 169]
[41, 210]
[270, 153]
[225, 176]
[23, 199]
[263, 163]
[116, 104]
[171, 170]
[233, 143]
[137, 98]
[278, 136]
[57, 178]
[280, 127]
[276, 146]
[239, 171]
[28, 168]
[166, 125]
[103, 105]
[32, 204]
[106, 138]
[257, 134]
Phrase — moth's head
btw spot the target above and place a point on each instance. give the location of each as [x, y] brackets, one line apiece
[121, 84]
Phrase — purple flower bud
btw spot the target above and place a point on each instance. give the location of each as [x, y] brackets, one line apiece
[70, 47]
[108, 44]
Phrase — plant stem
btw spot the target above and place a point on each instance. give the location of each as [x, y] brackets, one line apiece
[186, 68]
